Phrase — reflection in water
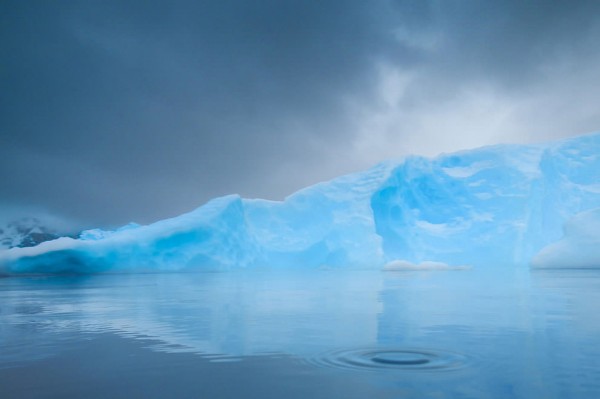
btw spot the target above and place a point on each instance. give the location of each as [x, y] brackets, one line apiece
[452, 334]
[233, 314]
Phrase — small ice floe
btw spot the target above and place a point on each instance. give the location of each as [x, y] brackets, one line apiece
[401, 265]
[578, 249]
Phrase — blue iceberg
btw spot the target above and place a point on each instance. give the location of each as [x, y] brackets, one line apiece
[579, 248]
[494, 206]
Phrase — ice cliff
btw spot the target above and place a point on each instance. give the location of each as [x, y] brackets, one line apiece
[493, 206]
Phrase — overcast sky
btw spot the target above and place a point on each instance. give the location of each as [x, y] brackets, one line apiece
[118, 111]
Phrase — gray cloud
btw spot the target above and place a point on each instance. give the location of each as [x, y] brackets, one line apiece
[137, 110]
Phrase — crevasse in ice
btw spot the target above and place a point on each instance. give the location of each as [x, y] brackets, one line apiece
[493, 206]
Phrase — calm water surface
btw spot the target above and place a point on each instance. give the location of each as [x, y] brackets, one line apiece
[318, 334]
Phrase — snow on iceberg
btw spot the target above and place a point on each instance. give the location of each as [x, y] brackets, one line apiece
[579, 248]
[493, 206]
[97, 234]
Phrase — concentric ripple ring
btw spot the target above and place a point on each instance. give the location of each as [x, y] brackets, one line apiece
[376, 359]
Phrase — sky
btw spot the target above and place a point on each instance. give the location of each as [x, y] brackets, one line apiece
[121, 110]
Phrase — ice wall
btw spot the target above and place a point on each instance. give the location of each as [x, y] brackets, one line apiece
[494, 206]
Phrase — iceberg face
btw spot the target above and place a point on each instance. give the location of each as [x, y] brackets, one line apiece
[213, 237]
[579, 248]
[492, 206]
[327, 225]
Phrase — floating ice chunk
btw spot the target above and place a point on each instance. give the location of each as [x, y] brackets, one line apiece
[579, 248]
[399, 265]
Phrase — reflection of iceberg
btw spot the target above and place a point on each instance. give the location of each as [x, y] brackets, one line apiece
[533, 333]
[233, 314]
[494, 205]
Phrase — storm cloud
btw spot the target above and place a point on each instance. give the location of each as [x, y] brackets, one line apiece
[114, 111]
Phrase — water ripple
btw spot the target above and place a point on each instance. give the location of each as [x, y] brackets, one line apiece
[402, 359]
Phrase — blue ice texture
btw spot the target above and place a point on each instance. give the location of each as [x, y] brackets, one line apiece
[495, 206]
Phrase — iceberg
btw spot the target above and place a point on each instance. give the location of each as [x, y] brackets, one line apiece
[494, 206]
[579, 248]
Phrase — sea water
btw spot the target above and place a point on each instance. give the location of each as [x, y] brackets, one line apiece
[481, 333]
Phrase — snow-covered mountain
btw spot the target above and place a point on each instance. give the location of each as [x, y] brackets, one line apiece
[25, 232]
[490, 207]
